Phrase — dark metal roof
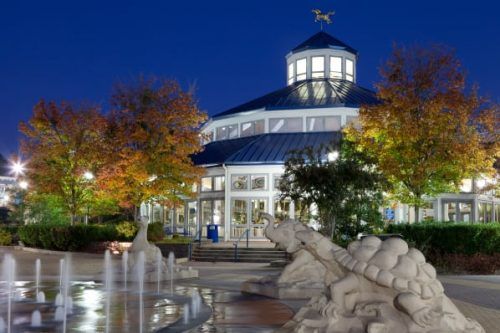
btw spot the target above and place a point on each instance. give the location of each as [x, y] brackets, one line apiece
[218, 152]
[270, 148]
[322, 40]
[314, 93]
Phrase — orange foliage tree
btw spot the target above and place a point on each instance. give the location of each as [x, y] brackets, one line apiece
[153, 130]
[62, 143]
[429, 131]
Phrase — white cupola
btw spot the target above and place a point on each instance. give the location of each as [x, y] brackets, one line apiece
[321, 56]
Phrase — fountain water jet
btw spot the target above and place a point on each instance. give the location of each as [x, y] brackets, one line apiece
[195, 303]
[125, 268]
[36, 319]
[38, 268]
[59, 314]
[40, 297]
[9, 271]
[140, 277]
[186, 314]
[66, 287]
[61, 273]
[108, 270]
[159, 262]
[171, 263]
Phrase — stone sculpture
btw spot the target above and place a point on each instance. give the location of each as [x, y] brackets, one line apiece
[151, 253]
[374, 286]
[303, 277]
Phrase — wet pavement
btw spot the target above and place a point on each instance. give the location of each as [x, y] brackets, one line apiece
[227, 309]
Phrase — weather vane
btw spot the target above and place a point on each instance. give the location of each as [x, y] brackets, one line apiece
[322, 17]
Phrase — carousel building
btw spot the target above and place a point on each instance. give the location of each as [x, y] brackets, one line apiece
[249, 144]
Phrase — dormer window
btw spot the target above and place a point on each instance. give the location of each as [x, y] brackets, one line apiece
[301, 67]
[291, 73]
[318, 67]
[336, 67]
[349, 70]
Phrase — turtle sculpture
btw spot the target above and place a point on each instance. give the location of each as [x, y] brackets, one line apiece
[381, 286]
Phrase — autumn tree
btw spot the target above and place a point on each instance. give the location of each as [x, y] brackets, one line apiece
[429, 131]
[346, 188]
[62, 143]
[153, 130]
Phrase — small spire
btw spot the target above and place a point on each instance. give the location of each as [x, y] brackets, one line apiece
[322, 17]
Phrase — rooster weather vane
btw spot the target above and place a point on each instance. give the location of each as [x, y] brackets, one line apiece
[322, 17]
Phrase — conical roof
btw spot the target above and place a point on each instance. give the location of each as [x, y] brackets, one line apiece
[322, 40]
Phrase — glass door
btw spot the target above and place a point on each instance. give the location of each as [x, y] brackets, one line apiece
[245, 215]
[192, 218]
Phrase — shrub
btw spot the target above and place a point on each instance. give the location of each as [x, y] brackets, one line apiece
[126, 230]
[155, 232]
[5, 237]
[451, 238]
[63, 237]
[176, 239]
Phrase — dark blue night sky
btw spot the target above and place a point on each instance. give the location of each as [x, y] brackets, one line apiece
[232, 50]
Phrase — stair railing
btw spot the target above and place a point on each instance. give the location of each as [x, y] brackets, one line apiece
[196, 238]
[235, 244]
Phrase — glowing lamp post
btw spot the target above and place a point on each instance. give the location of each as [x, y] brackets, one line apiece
[332, 156]
[88, 176]
[17, 168]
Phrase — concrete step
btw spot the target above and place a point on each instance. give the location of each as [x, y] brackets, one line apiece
[261, 255]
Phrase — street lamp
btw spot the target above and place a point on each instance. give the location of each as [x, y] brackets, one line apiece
[88, 175]
[332, 156]
[23, 185]
[17, 168]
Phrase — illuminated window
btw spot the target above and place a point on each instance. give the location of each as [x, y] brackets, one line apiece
[291, 73]
[301, 68]
[319, 124]
[206, 184]
[335, 67]
[318, 67]
[219, 183]
[226, 132]
[239, 182]
[283, 125]
[349, 70]
[252, 128]
[258, 182]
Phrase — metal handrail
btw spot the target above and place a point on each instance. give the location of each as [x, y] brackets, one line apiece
[190, 248]
[235, 244]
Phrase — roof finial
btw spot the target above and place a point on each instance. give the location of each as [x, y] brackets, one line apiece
[322, 17]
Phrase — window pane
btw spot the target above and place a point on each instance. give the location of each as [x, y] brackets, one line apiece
[465, 211]
[332, 123]
[276, 181]
[291, 73]
[282, 125]
[481, 211]
[221, 133]
[301, 66]
[349, 67]
[206, 184]
[259, 126]
[349, 78]
[449, 213]
[239, 182]
[179, 218]
[315, 124]
[218, 217]
[282, 209]
[192, 217]
[206, 213]
[247, 129]
[258, 182]
[336, 67]
[219, 183]
[232, 131]
[238, 217]
[488, 216]
[318, 67]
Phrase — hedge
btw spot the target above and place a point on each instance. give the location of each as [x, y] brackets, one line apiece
[451, 238]
[64, 237]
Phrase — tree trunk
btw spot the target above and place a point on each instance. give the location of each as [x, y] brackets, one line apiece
[334, 222]
[135, 214]
[417, 213]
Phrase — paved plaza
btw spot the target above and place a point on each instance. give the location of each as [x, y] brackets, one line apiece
[477, 297]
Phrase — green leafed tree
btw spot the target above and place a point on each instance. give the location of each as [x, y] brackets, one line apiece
[429, 132]
[346, 189]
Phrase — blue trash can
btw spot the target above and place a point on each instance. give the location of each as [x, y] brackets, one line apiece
[213, 232]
